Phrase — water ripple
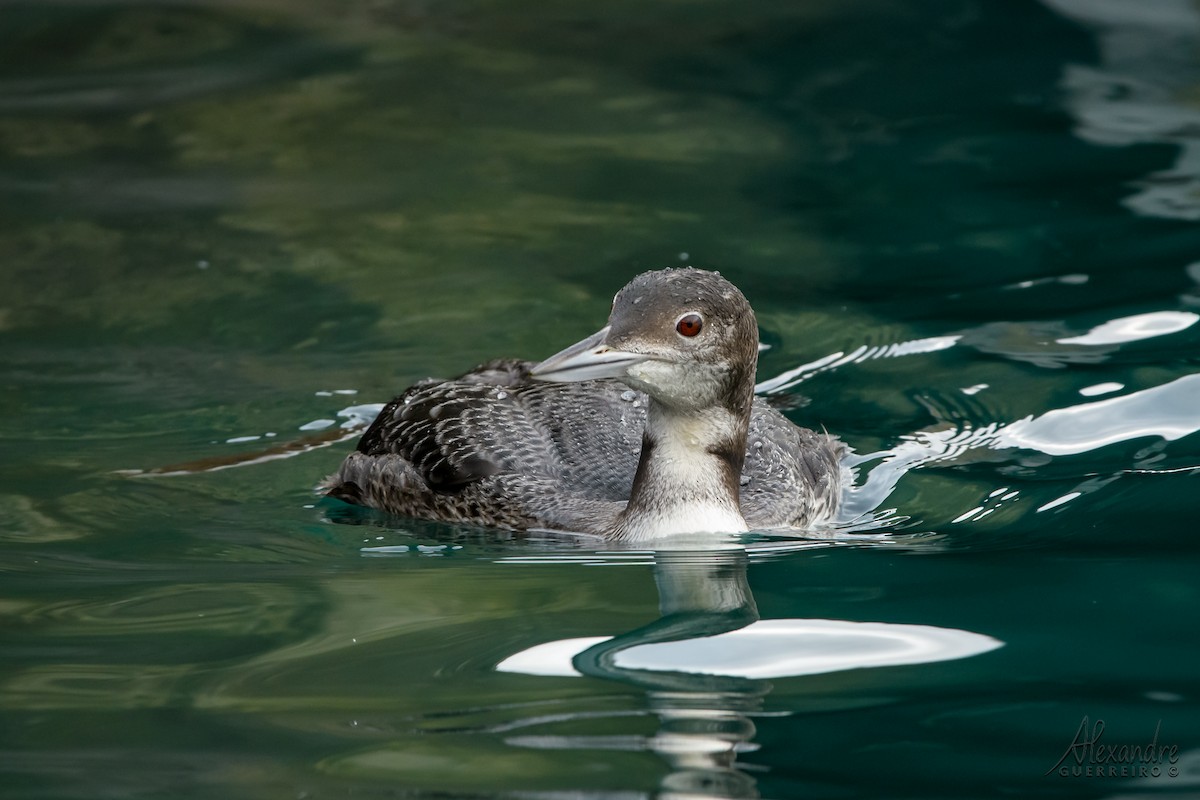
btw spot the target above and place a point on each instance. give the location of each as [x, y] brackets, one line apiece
[1169, 411]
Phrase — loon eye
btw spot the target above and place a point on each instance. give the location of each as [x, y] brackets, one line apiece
[689, 325]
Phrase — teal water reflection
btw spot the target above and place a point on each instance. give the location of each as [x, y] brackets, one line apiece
[228, 231]
[706, 663]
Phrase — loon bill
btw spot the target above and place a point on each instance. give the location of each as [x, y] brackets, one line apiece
[645, 429]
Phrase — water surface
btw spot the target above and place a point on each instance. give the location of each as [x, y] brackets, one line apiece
[969, 230]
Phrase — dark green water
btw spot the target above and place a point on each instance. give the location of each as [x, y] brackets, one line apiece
[970, 231]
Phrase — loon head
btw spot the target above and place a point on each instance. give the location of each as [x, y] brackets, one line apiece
[689, 340]
[686, 337]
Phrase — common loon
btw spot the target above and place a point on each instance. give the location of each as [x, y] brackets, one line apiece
[647, 428]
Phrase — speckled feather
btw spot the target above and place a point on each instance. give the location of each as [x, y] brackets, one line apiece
[494, 447]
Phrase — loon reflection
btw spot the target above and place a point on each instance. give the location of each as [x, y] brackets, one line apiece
[704, 661]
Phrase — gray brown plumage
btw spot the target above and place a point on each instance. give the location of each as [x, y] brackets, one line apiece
[498, 447]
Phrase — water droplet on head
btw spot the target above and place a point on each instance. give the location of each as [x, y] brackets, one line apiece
[758, 445]
[628, 395]
[501, 395]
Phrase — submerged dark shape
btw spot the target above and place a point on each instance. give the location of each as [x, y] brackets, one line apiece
[647, 428]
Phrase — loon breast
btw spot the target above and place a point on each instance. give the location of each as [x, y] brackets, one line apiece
[645, 429]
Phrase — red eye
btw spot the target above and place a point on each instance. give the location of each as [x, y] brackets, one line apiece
[689, 324]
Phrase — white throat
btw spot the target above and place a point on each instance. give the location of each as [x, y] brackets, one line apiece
[684, 483]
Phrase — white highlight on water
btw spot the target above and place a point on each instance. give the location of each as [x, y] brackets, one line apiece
[1101, 388]
[1135, 328]
[1066, 498]
[772, 648]
[862, 353]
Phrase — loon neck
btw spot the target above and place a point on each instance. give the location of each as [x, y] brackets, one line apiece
[688, 474]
